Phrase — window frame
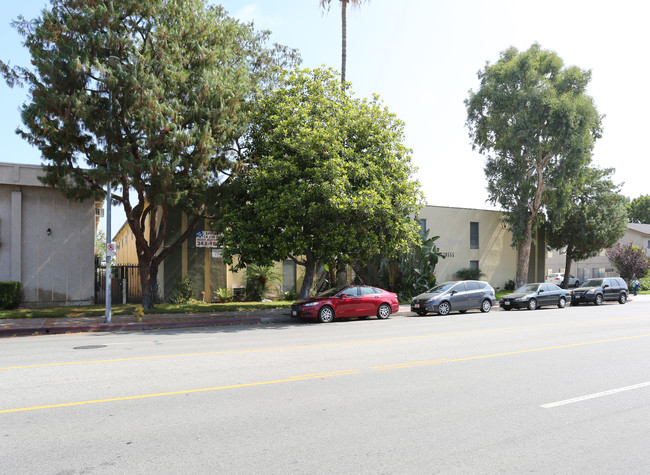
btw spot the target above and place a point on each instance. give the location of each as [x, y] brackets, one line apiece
[474, 235]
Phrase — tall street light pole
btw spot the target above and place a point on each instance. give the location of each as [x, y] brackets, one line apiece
[113, 61]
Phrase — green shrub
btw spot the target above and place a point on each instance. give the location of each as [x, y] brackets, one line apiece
[470, 273]
[510, 285]
[290, 295]
[644, 285]
[223, 295]
[258, 281]
[10, 294]
[184, 290]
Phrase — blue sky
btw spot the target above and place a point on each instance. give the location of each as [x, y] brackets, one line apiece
[422, 57]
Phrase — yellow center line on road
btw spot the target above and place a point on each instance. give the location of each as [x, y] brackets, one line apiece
[312, 376]
[507, 353]
[319, 345]
[410, 365]
[188, 391]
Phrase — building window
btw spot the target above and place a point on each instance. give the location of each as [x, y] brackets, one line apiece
[473, 264]
[598, 272]
[473, 235]
[423, 227]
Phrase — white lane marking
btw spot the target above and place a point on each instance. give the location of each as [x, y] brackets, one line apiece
[592, 396]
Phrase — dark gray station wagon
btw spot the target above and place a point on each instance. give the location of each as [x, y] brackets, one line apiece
[455, 296]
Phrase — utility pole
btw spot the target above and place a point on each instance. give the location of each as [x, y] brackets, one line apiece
[113, 61]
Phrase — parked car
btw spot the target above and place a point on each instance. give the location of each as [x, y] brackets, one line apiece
[346, 302]
[455, 296]
[600, 290]
[558, 279]
[532, 296]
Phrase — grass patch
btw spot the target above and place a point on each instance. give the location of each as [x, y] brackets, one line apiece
[99, 310]
[500, 293]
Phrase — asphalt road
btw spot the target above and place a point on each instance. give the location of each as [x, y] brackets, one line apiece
[548, 391]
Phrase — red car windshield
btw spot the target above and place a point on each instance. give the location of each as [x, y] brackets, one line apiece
[330, 292]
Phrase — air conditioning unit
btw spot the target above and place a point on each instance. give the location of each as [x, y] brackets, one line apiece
[99, 212]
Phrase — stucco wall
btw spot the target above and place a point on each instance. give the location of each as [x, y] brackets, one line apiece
[55, 268]
[496, 257]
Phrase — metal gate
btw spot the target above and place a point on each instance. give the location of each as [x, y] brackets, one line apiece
[125, 284]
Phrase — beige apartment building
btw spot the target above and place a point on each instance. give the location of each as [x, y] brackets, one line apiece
[478, 238]
[47, 242]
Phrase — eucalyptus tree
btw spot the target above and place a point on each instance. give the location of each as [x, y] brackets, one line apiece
[327, 177]
[325, 4]
[157, 122]
[589, 218]
[536, 125]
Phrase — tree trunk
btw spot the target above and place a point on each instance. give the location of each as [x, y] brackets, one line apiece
[567, 269]
[393, 274]
[155, 285]
[523, 257]
[332, 274]
[145, 284]
[344, 41]
[310, 272]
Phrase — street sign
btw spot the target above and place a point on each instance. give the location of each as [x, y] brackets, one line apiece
[111, 249]
[206, 238]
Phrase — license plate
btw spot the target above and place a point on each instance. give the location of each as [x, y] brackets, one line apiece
[294, 313]
[417, 305]
[506, 303]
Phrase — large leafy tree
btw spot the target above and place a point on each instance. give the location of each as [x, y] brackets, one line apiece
[328, 176]
[325, 4]
[630, 261]
[591, 218]
[638, 210]
[146, 96]
[536, 126]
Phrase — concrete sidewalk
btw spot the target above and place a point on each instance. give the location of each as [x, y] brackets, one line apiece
[39, 326]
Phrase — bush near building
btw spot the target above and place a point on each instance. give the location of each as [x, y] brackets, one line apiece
[10, 294]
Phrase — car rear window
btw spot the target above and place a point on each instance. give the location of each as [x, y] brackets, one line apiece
[472, 285]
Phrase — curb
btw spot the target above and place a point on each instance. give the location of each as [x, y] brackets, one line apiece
[157, 325]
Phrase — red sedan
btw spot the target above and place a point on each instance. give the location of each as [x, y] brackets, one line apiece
[346, 302]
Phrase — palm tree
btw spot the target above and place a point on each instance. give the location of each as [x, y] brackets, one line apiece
[344, 5]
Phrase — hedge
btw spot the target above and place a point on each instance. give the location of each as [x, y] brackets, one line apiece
[10, 295]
